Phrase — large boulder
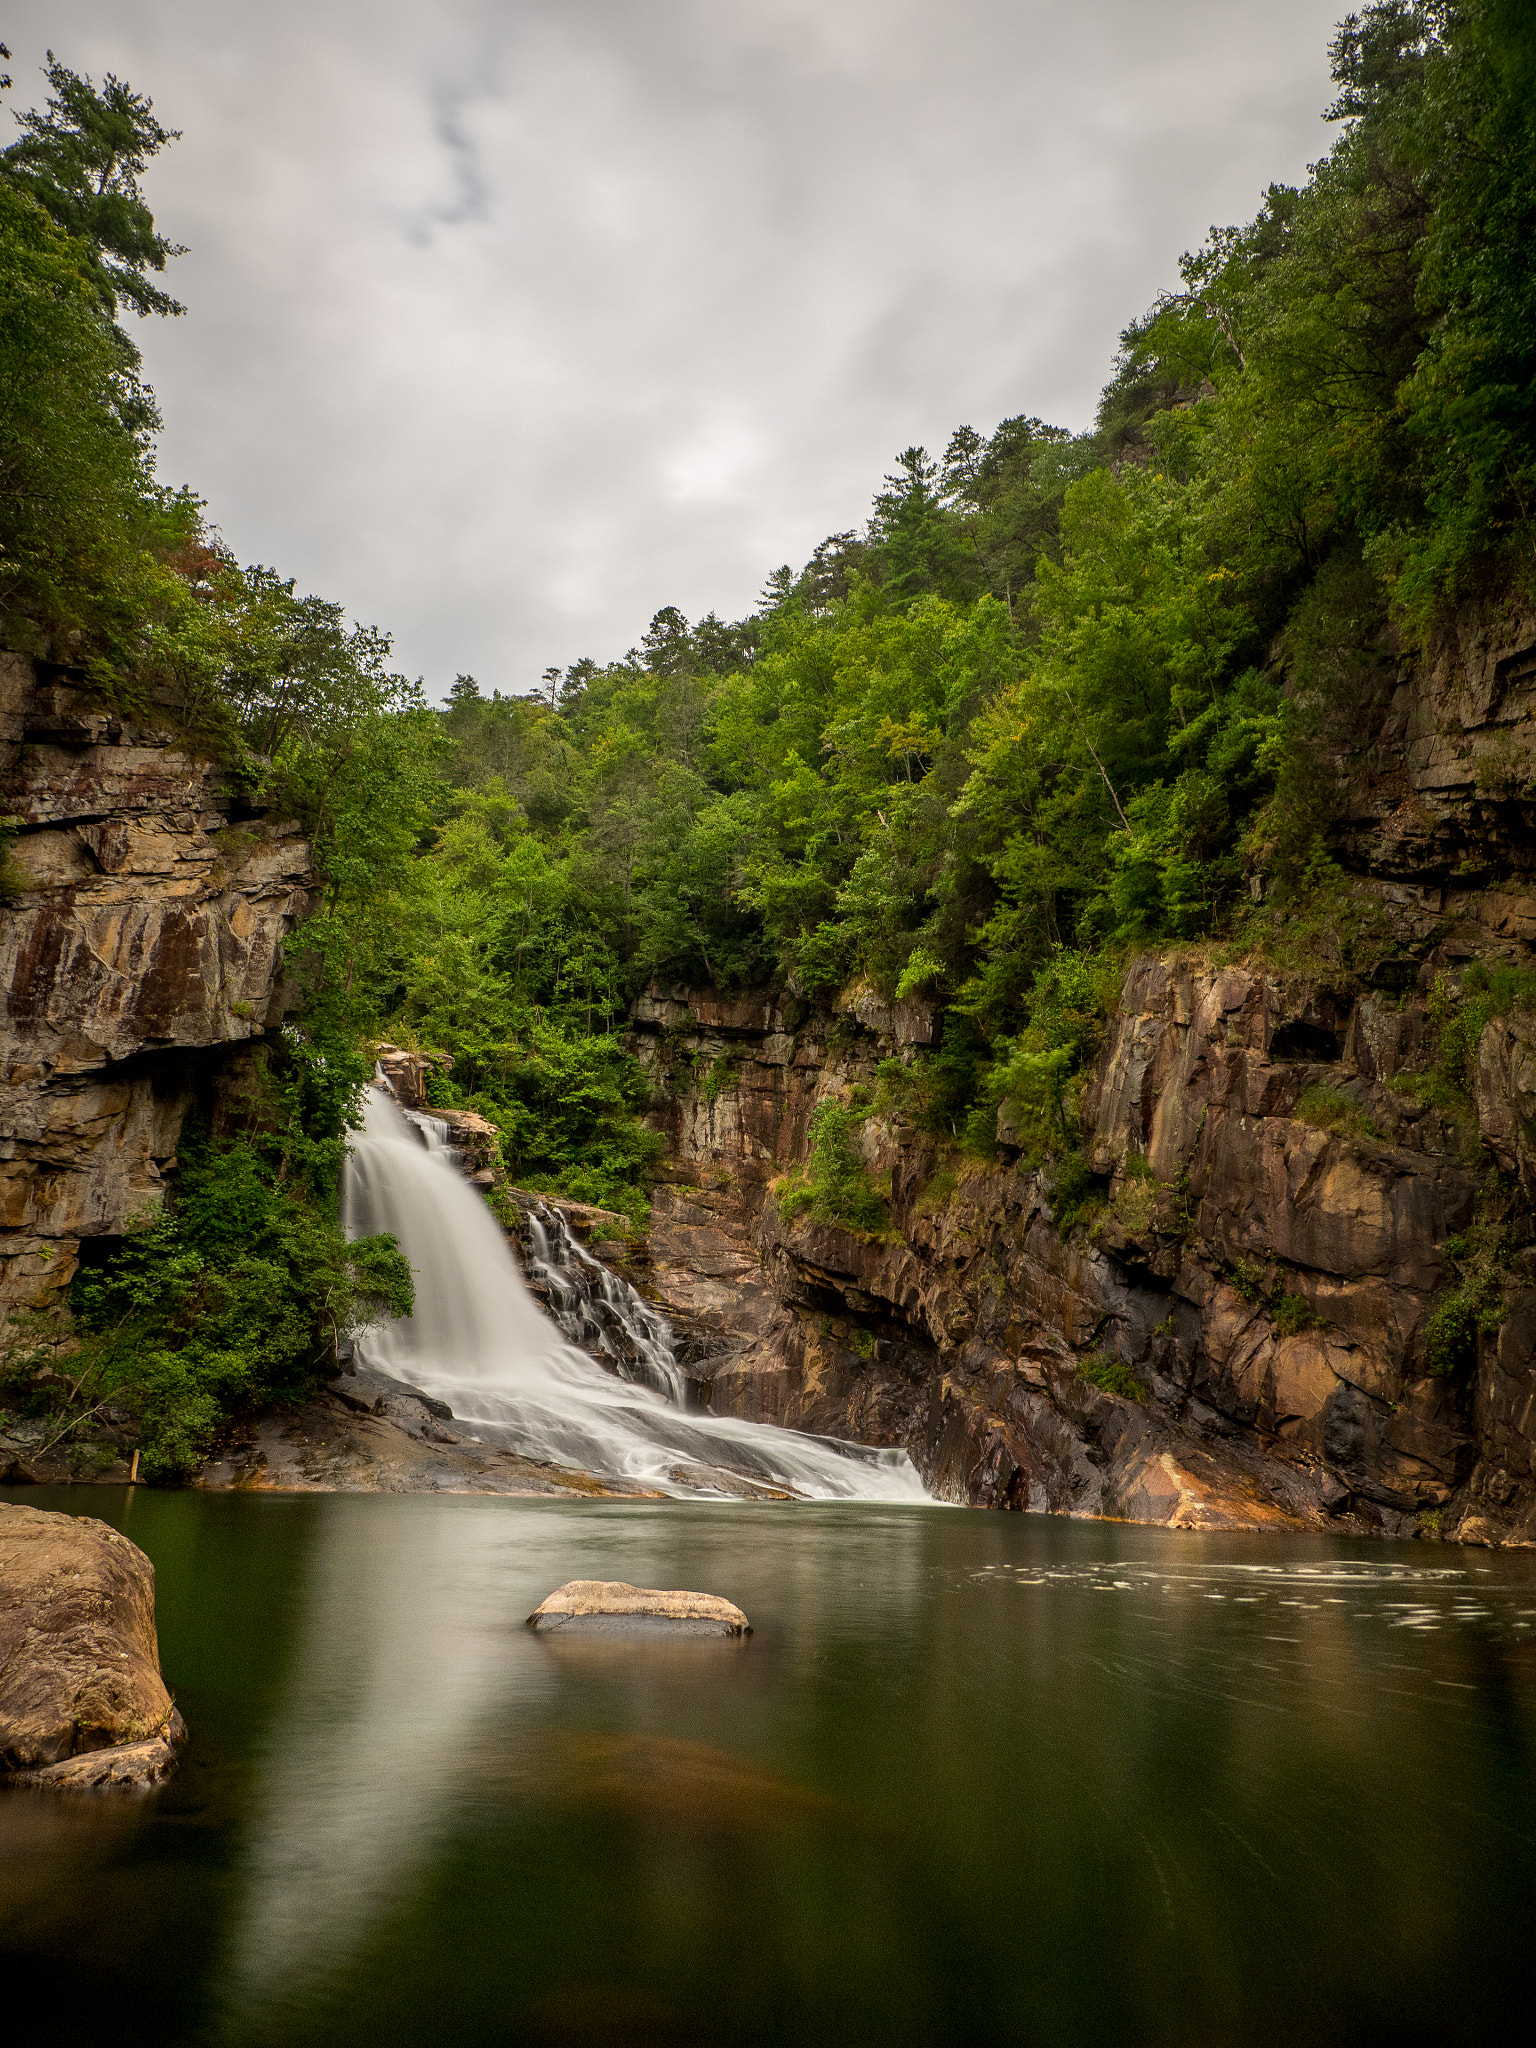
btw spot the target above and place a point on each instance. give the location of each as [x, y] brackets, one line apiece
[82, 1702]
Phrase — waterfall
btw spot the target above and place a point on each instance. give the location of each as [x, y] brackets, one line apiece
[478, 1341]
[600, 1313]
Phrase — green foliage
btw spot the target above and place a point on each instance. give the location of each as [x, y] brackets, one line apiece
[82, 161]
[1032, 1076]
[567, 1104]
[936, 1190]
[1330, 1109]
[724, 1073]
[1474, 1304]
[80, 518]
[1450, 1334]
[1289, 1310]
[1462, 1009]
[1111, 1375]
[1075, 1191]
[231, 1297]
[1291, 1313]
[836, 1187]
[1134, 1204]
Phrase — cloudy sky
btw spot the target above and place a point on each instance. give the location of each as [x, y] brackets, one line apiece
[510, 321]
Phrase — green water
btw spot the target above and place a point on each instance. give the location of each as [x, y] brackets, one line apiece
[974, 1778]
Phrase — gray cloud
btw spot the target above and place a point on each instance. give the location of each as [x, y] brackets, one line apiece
[512, 320]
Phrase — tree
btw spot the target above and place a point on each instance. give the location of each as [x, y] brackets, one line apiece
[82, 161]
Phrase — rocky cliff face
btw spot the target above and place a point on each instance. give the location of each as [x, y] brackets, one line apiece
[1270, 1238]
[142, 918]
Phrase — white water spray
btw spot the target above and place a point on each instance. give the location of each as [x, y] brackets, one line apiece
[478, 1341]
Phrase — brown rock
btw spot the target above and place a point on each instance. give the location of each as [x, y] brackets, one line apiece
[613, 1607]
[82, 1701]
[1506, 1094]
[141, 952]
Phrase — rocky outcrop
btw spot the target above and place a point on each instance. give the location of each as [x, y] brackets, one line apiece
[1506, 1096]
[1438, 778]
[1234, 1336]
[143, 914]
[367, 1433]
[611, 1606]
[82, 1702]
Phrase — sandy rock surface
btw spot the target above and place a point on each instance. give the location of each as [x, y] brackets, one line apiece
[584, 1603]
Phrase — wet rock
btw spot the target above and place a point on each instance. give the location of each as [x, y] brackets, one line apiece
[611, 1607]
[371, 1393]
[408, 1073]
[82, 1702]
[136, 1767]
[387, 1444]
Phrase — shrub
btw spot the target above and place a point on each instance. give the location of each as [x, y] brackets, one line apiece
[936, 1190]
[1329, 1109]
[1463, 1010]
[1290, 1311]
[1135, 1204]
[1074, 1191]
[836, 1187]
[1450, 1334]
[1111, 1375]
[229, 1298]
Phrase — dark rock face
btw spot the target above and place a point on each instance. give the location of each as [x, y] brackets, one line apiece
[1268, 1279]
[82, 1702]
[141, 945]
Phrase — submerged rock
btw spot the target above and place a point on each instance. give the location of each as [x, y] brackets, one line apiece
[611, 1607]
[82, 1702]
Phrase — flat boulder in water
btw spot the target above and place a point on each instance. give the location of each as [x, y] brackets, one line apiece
[609, 1607]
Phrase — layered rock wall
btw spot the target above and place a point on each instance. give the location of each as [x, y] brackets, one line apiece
[143, 913]
[1279, 1210]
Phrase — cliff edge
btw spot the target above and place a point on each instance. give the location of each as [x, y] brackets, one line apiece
[143, 912]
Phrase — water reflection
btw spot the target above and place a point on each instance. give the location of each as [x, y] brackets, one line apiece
[402, 1650]
[972, 1777]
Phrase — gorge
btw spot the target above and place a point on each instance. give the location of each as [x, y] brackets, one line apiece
[145, 959]
[1049, 994]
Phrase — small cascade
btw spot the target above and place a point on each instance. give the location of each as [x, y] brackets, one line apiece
[433, 1128]
[598, 1311]
[478, 1341]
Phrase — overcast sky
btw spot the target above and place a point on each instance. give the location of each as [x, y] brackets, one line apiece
[510, 321]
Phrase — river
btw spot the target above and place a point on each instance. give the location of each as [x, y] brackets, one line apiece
[973, 1777]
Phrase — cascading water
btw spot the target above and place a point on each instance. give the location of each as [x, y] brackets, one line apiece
[601, 1314]
[478, 1341]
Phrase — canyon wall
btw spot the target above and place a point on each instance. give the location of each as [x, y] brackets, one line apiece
[142, 917]
[1282, 1199]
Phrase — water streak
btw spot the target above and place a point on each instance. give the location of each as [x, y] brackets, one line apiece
[479, 1341]
[599, 1312]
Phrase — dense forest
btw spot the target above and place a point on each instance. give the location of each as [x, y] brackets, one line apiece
[1061, 696]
